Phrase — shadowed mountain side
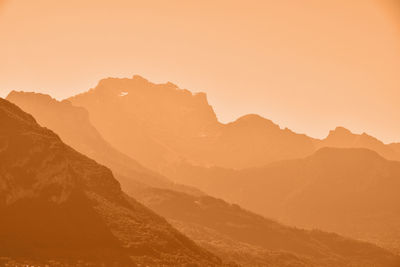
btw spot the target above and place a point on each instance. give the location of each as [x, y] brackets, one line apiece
[72, 124]
[160, 124]
[252, 240]
[57, 204]
[349, 191]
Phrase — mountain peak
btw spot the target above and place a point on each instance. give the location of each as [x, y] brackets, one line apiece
[340, 131]
[139, 78]
[167, 98]
[38, 97]
[255, 120]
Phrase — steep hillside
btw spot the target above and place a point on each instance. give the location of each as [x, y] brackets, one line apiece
[57, 204]
[252, 240]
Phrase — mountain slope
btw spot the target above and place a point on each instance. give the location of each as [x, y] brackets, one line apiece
[349, 191]
[57, 204]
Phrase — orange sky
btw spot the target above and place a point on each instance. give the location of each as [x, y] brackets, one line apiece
[309, 65]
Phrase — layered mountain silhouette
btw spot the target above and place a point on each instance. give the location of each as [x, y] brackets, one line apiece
[352, 191]
[252, 240]
[229, 231]
[57, 204]
[161, 125]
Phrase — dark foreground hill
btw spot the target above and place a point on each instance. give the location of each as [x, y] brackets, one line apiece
[57, 204]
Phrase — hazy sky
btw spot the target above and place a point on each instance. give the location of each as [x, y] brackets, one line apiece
[308, 65]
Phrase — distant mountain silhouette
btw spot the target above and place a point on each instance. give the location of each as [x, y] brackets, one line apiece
[160, 124]
[352, 191]
[343, 138]
[57, 204]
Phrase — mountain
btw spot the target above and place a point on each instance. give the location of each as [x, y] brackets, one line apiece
[351, 191]
[160, 125]
[253, 140]
[146, 121]
[73, 125]
[343, 138]
[252, 240]
[59, 206]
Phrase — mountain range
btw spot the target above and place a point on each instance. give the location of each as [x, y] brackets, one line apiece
[211, 222]
[160, 125]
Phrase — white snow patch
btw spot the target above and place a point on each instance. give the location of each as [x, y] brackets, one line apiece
[123, 93]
